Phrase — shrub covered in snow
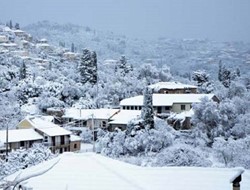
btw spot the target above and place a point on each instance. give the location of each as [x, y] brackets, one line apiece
[181, 155]
[86, 135]
[232, 152]
[22, 158]
[134, 142]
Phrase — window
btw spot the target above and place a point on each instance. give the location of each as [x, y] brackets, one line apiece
[104, 124]
[75, 146]
[183, 107]
[62, 140]
[22, 143]
[159, 110]
[167, 108]
[139, 107]
[45, 139]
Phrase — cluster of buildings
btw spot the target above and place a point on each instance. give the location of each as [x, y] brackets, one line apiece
[58, 130]
[21, 45]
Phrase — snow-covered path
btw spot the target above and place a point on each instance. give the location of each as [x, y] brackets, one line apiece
[92, 172]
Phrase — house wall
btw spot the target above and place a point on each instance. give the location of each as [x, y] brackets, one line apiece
[177, 107]
[178, 91]
[24, 125]
[26, 144]
[162, 109]
[98, 123]
[75, 146]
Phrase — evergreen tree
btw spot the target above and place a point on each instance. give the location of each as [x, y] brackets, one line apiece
[122, 66]
[17, 26]
[147, 112]
[94, 68]
[72, 47]
[23, 71]
[88, 67]
[221, 68]
[11, 26]
[203, 82]
[224, 75]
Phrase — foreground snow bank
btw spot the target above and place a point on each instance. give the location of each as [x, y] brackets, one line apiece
[92, 171]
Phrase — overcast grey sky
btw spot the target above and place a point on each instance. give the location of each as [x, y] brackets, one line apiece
[221, 20]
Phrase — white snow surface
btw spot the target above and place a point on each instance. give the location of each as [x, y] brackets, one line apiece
[170, 85]
[17, 135]
[86, 114]
[91, 171]
[166, 99]
[124, 116]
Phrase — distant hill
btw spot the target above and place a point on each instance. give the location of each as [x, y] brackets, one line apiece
[183, 56]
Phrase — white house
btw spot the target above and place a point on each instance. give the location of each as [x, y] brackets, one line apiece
[88, 117]
[24, 138]
[122, 119]
[166, 103]
[55, 137]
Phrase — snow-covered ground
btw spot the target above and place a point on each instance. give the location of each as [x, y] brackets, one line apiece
[91, 171]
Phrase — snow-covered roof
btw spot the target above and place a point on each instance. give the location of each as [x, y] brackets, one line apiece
[18, 135]
[105, 173]
[181, 116]
[43, 45]
[170, 85]
[18, 31]
[124, 116]
[85, 114]
[166, 99]
[75, 138]
[9, 44]
[47, 127]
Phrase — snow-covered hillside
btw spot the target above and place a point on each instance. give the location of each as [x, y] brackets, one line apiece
[91, 171]
[180, 55]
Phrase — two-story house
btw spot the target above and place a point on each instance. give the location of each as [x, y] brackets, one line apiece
[54, 136]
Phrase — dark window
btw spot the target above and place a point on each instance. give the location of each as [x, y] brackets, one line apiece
[183, 107]
[167, 108]
[139, 107]
[53, 141]
[75, 146]
[22, 143]
[62, 140]
[124, 107]
[104, 124]
[132, 108]
[159, 110]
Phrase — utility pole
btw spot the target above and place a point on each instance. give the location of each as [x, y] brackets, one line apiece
[93, 131]
[7, 140]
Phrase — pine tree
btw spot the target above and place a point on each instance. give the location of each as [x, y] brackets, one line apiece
[221, 68]
[94, 68]
[23, 71]
[17, 26]
[11, 26]
[203, 82]
[72, 47]
[224, 75]
[147, 113]
[88, 67]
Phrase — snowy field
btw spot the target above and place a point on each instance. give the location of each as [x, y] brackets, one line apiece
[91, 171]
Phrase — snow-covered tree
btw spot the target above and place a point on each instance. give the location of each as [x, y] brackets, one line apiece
[203, 82]
[147, 112]
[23, 71]
[88, 67]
